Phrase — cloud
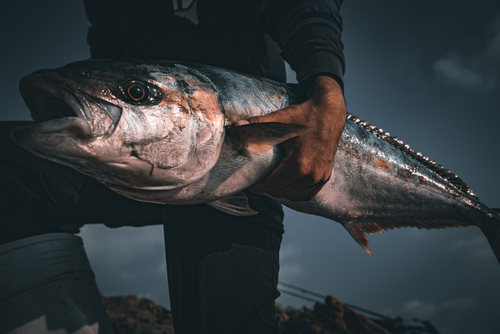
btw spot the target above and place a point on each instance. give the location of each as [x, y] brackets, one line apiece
[453, 69]
[289, 271]
[161, 268]
[476, 248]
[444, 315]
[128, 261]
[418, 309]
[476, 72]
[424, 310]
[128, 275]
[118, 247]
[288, 266]
[289, 251]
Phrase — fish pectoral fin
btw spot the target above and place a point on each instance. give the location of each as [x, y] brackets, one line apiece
[259, 138]
[356, 231]
[236, 205]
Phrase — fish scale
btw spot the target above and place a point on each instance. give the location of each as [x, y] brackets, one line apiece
[432, 165]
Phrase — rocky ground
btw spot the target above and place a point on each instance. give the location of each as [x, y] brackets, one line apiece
[131, 315]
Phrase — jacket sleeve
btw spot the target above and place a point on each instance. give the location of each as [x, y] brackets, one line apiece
[309, 35]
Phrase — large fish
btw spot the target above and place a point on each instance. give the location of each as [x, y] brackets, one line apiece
[162, 132]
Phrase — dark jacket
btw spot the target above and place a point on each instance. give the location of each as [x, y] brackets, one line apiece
[226, 33]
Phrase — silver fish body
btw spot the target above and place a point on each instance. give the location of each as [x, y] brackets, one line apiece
[162, 132]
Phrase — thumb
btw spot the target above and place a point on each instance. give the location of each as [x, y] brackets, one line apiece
[282, 115]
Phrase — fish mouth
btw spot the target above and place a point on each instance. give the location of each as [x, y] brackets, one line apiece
[60, 107]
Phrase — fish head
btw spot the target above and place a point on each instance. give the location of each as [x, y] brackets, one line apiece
[138, 124]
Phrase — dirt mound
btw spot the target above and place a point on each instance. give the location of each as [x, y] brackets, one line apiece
[131, 315]
[331, 317]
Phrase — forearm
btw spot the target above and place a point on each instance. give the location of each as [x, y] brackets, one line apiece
[309, 35]
[315, 51]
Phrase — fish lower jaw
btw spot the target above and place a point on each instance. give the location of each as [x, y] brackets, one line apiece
[49, 133]
[67, 125]
[177, 186]
[151, 196]
[141, 175]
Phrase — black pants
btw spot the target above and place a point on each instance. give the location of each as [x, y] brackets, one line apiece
[222, 269]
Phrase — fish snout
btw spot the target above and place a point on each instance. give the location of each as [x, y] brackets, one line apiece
[49, 97]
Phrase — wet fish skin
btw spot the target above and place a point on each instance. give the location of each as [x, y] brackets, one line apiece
[176, 145]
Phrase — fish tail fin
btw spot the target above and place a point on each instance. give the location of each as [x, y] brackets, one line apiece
[357, 233]
[491, 230]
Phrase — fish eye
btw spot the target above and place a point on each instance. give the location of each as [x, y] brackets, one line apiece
[137, 91]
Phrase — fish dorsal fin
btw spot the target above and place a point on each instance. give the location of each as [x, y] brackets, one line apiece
[432, 165]
[259, 138]
[236, 205]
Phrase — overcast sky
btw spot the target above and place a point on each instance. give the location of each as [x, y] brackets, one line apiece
[426, 71]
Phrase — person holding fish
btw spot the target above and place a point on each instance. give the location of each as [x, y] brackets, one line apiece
[198, 136]
[222, 269]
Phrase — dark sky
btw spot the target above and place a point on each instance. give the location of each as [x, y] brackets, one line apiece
[425, 71]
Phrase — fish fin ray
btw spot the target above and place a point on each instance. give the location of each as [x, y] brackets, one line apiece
[381, 225]
[356, 231]
[236, 205]
[259, 138]
[432, 165]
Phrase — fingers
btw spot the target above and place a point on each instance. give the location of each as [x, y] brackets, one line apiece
[308, 159]
[278, 179]
[297, 190]
[241, 122]
[286, 115]
[287, 181]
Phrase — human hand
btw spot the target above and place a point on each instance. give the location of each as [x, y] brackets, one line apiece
[308, 159]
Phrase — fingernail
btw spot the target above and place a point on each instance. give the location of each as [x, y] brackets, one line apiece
[241, 122]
